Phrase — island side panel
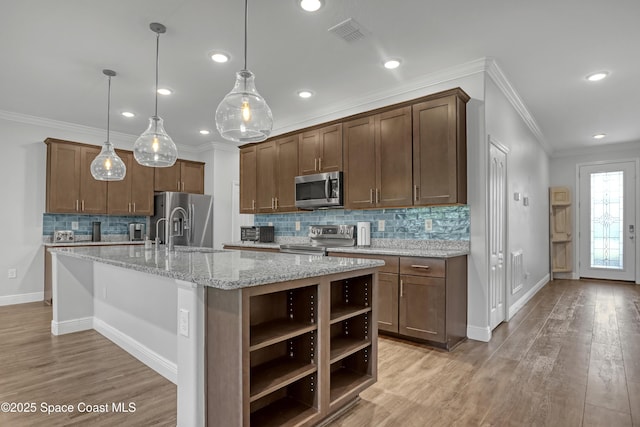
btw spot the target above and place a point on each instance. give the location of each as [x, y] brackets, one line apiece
[224, 358]
[72, 282]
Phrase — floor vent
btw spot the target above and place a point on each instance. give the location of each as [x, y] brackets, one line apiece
[517, 271]
[348, 30]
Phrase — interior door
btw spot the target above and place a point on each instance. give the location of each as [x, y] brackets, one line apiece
[607, 220]
[497, 226]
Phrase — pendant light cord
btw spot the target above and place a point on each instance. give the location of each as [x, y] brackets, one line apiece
[108, 108]
[246, 19]
[157, 62]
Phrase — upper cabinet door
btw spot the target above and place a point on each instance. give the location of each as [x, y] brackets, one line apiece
[439, 151]
[359, 163]
[93, 193]
[266, 156]
[142, 186]
[192, 177]
[248, 181]
[119, 192]
[393, 158]
[168, 179]
[286, 171]
[63, 177]
[330, 148]
[308, 152]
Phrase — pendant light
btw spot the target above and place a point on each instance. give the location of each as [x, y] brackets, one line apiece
[154, 147]
[107, 166]
[243, 115]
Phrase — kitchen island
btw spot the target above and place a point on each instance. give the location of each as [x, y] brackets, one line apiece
[249, 338]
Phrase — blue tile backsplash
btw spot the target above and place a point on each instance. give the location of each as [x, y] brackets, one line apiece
[111, 224]
[448, 222]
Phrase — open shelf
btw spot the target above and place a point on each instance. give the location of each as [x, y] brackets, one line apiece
[341, 312]
[273, 375]
[350, 374]
[271, 332]
[345, 346]
[344, 381]
[291, 405]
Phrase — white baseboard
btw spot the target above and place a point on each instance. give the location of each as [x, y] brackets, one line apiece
[566, 276]
[71, 326]
[516, 306]
[22, 298]
[161, 365]
[479, 333]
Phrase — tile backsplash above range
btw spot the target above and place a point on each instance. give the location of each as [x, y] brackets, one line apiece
[110, 224]
[447, 222]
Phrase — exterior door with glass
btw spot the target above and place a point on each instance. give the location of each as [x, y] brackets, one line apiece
[607, 221]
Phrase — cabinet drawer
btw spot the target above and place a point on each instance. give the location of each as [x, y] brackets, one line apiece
[390, 262]
[431, 267]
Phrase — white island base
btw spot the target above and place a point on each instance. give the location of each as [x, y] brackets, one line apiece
[137, 311]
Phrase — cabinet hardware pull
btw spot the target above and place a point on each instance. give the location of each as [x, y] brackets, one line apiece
[371, 195]
[182, 185]
[272, 203]
[77, 204]
[129, 207]
[401, 288]
[253, 204]
[82, 204]
[377, 195]
[134, 206]
[320, 164]
[415, 193]
[426, 267]
[276, 203]
[178, 185]
[315, 164]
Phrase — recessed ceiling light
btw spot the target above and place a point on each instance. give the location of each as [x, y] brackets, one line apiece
[128, 114]
[205, 132]
[597, 76]
[305, 94]
[220, 57]
[165, 91]
[599, 135]
[310, 5]
[391, 64]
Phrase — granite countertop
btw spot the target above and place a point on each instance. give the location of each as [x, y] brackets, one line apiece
[219, 269]
[392, 247]
[90, 243]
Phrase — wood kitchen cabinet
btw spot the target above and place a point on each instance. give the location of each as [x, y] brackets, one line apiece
[134, 194]
[185, 175]
[70, 185]
[423, 299]
[378, 160]
[248, 182]
[440, 150]
[320, 150]
[277, 166]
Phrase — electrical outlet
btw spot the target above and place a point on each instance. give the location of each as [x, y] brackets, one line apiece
[183, 322]
[381, 225]
[12, 273]
[297, 225]
[428, 225]
[270, 224]
[74, 225]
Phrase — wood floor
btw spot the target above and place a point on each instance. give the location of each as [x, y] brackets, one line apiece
[570, 357]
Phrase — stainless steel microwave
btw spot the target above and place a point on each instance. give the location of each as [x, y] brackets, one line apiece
[322, 190]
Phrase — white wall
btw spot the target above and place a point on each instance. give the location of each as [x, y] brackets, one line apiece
[528, 174]
[563, 171]
[25, 186]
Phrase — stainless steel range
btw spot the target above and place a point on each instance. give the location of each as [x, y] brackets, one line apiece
[322, 237]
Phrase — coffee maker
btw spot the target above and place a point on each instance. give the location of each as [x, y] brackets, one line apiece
[136, 231]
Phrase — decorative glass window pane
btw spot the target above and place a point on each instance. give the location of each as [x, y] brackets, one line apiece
[607, 220]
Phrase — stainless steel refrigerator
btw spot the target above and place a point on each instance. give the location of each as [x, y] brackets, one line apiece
[194, 229]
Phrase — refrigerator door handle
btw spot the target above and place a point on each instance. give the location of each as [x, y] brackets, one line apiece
[192, 211]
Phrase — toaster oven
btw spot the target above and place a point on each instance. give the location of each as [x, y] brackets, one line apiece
[257, 233]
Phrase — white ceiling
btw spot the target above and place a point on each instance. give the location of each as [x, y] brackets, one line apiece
[53, 53]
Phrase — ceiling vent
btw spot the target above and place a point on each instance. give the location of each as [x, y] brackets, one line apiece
[349, 30]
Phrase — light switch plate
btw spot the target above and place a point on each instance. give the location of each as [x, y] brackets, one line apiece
[74, 225]
[183, 322]
[381, 225]
[297, 225]
[12, 273]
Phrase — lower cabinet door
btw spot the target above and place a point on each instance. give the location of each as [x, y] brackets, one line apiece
[422, 307]
[388, 302]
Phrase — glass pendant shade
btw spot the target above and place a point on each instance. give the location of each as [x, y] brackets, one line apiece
[243, 115]
[108, 166]
[155, 147]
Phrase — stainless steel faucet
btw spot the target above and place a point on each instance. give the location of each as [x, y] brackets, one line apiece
[186, 226]
[158, 235]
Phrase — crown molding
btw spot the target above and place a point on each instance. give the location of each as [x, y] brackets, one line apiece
[497, 75]
[598, 149]
[382, 98]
